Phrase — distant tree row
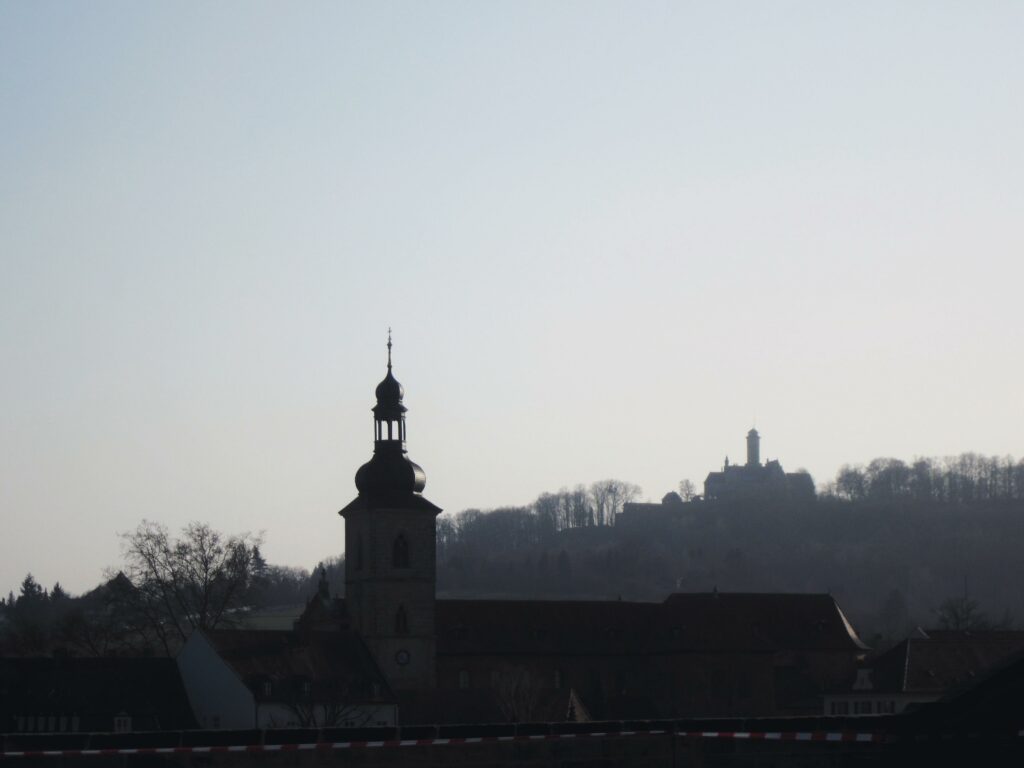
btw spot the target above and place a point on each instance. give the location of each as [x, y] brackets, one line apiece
[519, 528]
[962, 479]
[167, 586]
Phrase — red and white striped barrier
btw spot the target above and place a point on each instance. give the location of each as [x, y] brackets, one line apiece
[837, 736]
[815, 736]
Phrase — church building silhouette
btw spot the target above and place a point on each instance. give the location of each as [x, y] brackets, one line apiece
[694, 654]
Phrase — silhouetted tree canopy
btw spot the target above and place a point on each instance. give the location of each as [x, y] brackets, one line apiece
[200, 579]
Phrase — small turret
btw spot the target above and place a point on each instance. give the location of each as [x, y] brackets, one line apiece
[753, 448]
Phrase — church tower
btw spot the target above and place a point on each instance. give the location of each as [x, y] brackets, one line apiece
[390, 569]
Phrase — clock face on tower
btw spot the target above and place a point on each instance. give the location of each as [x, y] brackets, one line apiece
[402, 657]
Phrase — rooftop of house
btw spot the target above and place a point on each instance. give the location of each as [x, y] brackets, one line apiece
[144, 688]
[733, 622]
[937, 661]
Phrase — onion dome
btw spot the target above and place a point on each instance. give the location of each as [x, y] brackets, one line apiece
[389, 394]
[390, 472]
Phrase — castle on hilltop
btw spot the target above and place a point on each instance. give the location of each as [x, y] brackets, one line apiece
[755, 481]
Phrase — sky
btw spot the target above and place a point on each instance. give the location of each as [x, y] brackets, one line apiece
[609, 237]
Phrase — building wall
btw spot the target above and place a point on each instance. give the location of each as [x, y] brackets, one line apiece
[684, 684]
[278, 715]
[375, 589]
[872, 702]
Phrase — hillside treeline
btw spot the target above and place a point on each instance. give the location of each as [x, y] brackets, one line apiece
[961, 479]
[926, 543]
[516, 528]
[899, 545]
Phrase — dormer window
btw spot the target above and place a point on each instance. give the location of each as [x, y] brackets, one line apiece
[267, 688]
[122, 723]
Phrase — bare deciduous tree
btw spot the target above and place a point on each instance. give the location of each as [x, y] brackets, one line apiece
[199, 580]
[517, 692]
[687, 490]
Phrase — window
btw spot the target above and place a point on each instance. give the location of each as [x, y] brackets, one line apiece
[400, 552]
[463, 679]
[840, 708]
[122, 723]
[862, 708]
[401, 621]
[558, 678]
[267, 688]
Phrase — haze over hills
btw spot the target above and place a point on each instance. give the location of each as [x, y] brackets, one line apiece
[933, 543]
[608, 237]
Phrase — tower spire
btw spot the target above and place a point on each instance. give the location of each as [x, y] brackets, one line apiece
[389, 347]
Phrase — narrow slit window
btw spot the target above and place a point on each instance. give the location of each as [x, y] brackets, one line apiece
[400, 553]
[401, 621]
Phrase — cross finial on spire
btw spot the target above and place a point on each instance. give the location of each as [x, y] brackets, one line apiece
[389, 347]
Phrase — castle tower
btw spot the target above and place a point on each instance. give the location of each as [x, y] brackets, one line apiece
[753, 448]
[390, 571]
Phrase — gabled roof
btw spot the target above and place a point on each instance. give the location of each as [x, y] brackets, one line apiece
[715, 622]
[940, 660]
[762, 621]
[332, 663]
[149, 689]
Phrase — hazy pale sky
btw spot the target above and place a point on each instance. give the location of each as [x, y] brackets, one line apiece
[609, 236]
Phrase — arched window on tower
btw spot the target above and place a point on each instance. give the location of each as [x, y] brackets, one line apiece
[401, 621]
[400, 552]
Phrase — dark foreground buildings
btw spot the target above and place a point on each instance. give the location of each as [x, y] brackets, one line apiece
[354, 677]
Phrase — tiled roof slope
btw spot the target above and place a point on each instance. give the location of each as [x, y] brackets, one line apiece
[683, 622]
[96, 689]
[941, 660]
